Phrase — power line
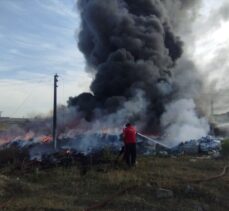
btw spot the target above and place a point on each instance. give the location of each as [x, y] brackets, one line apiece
[63, 97]
[25, 99]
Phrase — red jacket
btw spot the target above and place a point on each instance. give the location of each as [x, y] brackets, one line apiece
[129, 135]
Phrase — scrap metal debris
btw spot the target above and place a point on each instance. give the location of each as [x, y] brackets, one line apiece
[91, 146]
[203, 145]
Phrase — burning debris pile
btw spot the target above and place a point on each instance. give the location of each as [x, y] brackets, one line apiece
[84, 144]
[92, 146]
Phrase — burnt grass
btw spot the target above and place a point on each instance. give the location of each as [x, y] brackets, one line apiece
[83, 184]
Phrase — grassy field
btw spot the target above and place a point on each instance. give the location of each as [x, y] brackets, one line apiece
[62, 188]
[3, 126]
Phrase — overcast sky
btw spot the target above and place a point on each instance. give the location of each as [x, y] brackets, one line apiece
[37, 40]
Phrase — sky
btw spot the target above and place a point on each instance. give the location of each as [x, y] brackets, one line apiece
[209, 50]
[38, 39]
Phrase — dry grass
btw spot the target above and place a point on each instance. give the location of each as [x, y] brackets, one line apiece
[66, 189]
[3, 126]
[225, 148]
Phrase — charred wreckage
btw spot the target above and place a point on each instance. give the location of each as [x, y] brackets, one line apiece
[90, 148]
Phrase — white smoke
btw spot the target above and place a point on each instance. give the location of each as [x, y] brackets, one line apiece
[134, 107]
[112, 124]
[181, 122]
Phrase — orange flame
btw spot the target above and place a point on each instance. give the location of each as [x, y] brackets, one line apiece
[46, 139]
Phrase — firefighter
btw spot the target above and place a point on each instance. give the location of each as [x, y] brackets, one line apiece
[129, 138]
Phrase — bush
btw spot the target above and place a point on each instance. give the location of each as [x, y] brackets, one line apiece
[13, 155]
[225, 148]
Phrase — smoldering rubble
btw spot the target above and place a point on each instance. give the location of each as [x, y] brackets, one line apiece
[92, 146]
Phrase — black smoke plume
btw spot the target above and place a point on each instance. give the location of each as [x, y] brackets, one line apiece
[129, 45]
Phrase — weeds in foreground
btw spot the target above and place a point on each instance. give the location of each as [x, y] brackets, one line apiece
[65, 188]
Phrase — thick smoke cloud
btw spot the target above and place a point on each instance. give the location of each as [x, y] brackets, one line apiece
[211, 43]
[130, 45]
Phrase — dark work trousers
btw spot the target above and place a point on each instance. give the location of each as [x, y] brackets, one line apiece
[130, 154]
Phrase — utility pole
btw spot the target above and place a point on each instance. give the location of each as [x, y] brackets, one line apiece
[54, 135]
[212, 108]
[212, 117]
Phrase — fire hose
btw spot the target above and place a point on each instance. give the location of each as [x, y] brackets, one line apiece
[111, 198]
[222, 174]
[108, 200]
[105, 202]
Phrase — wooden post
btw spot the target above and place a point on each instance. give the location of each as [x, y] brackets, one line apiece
[54, 134]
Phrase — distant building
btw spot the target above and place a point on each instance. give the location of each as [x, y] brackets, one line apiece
[221, 124]
[222, 118]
